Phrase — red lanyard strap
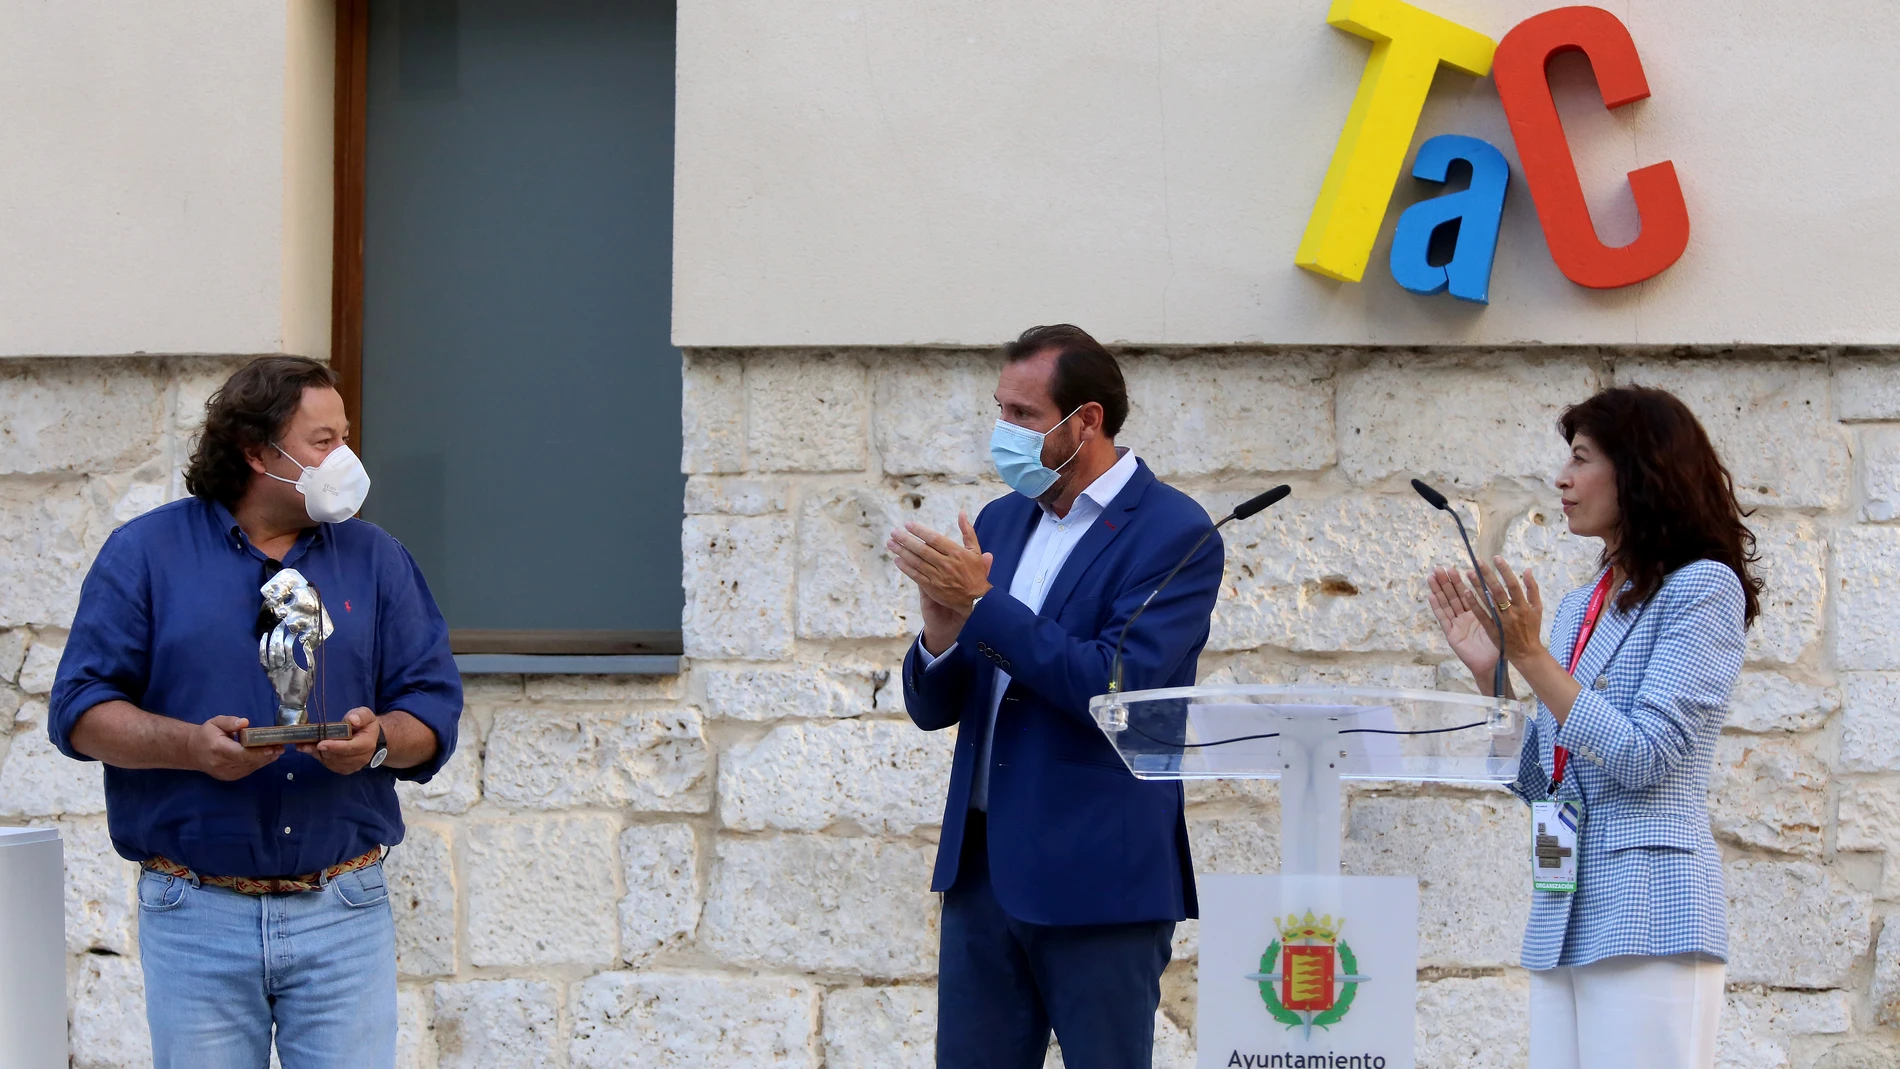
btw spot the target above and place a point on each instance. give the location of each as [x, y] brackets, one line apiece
[1597, 597]
[1560, 757]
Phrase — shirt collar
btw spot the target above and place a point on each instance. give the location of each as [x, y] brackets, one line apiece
[221, 516]
[1106, 485]
[227, 523]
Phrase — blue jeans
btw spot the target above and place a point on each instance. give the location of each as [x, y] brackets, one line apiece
[222, 968]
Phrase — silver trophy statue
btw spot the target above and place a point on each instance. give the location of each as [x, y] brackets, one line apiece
[302, 625]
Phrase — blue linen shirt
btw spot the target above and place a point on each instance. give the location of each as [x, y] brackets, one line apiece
[167, 620]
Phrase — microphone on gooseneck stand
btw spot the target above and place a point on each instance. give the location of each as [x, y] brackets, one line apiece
[1437, 501]
[1257, 503]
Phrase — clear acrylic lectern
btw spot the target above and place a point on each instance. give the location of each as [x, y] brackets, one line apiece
[1310, 738]
[1309, 967]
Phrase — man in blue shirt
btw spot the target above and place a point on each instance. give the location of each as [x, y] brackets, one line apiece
[1063, 875]
[262, 903]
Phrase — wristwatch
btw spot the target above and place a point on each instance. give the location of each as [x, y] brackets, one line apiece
[382, 749]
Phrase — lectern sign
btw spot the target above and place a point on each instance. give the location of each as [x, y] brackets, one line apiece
[1335, 985]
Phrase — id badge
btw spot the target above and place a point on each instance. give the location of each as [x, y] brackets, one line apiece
[1554, 845]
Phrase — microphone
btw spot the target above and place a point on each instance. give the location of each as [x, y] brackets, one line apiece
[1437, 501]
[1256, 504]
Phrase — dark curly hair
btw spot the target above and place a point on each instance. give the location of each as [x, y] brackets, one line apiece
[1675, 498]
[248, 413]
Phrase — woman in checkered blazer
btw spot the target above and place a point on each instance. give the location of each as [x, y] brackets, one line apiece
[1627, 970]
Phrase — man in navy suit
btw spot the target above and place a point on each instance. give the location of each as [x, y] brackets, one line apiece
[1063, 875]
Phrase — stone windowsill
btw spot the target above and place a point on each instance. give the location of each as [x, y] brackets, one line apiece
[546, 664]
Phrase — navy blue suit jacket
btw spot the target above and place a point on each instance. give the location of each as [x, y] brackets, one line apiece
[1073, 837]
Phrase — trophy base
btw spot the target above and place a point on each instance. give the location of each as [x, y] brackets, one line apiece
[292, 734]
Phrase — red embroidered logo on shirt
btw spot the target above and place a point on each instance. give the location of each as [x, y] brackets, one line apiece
[346, 605]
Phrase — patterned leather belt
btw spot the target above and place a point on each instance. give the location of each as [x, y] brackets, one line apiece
[271, 885]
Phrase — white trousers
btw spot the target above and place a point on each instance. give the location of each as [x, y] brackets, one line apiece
[1627, 1013]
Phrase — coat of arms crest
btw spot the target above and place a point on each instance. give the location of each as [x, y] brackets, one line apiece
[1317, 976]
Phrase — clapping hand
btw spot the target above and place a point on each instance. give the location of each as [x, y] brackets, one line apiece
[949, 577]
[1521, 607]
[1467, 626]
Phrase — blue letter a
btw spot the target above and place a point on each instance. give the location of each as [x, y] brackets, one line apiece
[1477, 211]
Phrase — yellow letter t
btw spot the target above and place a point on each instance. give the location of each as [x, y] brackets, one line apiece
[1408, 44]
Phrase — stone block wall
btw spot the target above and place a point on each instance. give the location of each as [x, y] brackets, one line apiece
[731, 865]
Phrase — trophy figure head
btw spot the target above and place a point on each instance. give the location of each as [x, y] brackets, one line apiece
[302, 625]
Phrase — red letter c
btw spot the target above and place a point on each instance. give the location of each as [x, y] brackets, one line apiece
[1551, 171]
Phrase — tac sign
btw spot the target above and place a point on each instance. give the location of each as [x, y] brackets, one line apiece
[1408, 44]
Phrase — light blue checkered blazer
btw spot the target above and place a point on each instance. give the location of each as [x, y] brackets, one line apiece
[1641, 736]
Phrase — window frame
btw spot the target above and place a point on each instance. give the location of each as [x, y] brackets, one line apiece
[550, 651]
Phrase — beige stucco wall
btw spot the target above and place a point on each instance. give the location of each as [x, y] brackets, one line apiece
[165, 177]
[878, 172]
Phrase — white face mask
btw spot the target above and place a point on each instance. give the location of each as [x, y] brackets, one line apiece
[332, 491]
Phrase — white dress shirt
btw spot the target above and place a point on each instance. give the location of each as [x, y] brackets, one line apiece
[1048, 549]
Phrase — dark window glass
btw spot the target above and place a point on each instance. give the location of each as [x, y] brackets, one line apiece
[521, 396]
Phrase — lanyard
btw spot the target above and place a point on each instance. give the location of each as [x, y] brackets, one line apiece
[1560, 756]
